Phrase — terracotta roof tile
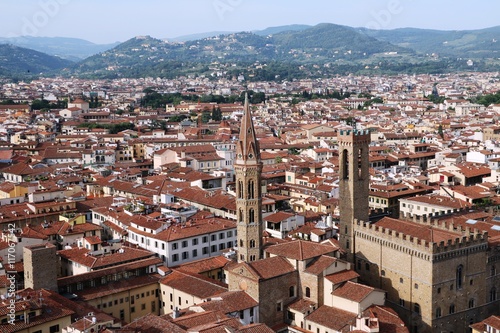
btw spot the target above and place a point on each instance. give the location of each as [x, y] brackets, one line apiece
[343, 276]
[196, 319]
[231, 301]
[300, 250]
[332, 318]
[153, 324]
[320, 264]
[421, 231]
[353, 291]
[192, 284]
[271, 267]
[389, 321]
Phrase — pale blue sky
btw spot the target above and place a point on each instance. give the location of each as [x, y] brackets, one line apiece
[107, 21]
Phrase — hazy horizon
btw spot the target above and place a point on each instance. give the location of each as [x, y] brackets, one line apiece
[108, 22]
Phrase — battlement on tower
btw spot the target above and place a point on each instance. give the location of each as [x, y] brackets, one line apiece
[353, 136]
[466, 239]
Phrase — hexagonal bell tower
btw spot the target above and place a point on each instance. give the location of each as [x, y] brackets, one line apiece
[354, 184]
[248, 169]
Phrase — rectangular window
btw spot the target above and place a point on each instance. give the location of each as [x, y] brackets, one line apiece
[195, 253]
[174, 246]
[230, 233]
[213, 237]
[222, 246]
[184, 244]
[54, 329]
[213, 248]
[221, 235]
[205, 239]
[195, 241]
[175, 257]
[279, 306]
[185, 255]
[204, 250]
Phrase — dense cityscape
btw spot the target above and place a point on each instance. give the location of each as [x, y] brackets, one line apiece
[281, 180]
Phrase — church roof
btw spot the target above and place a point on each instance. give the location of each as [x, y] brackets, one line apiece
[300, 250]
[268, 268]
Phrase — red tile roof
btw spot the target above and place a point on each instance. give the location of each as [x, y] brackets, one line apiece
[192, 284]
[353, 291]
[195, 319]
[300, 250]
[271, 267]
[421, 231]
[118, 286]
[154, 324]
[389, 321]
[231, 301]
[343, 276]
[204, 265]
[332, 318]
[319, 265]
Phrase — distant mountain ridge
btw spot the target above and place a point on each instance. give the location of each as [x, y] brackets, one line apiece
[483, 43]
[74, 49]
[283, 52]
[265, 32]
[322, 43]
[16, 61]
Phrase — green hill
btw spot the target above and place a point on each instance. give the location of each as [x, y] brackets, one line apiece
[481, 43]
[322, 44]
[74, 49]
[19, 61]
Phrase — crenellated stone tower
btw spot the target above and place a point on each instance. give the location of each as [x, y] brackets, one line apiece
[353, 184]
[248, 168]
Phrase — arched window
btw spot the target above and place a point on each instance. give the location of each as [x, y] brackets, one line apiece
[241, 242]
[240, 189]
[452, 309]
[345, 166]
[241, 215]
[493, 294]
[471, 303]
[459, 276]
[251, 187]
[252, 243]
[438, 313]
[251, 215]
[308, 292]
[493, 271]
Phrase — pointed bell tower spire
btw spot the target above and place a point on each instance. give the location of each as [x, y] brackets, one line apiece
[248, 169]
[247, 149]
